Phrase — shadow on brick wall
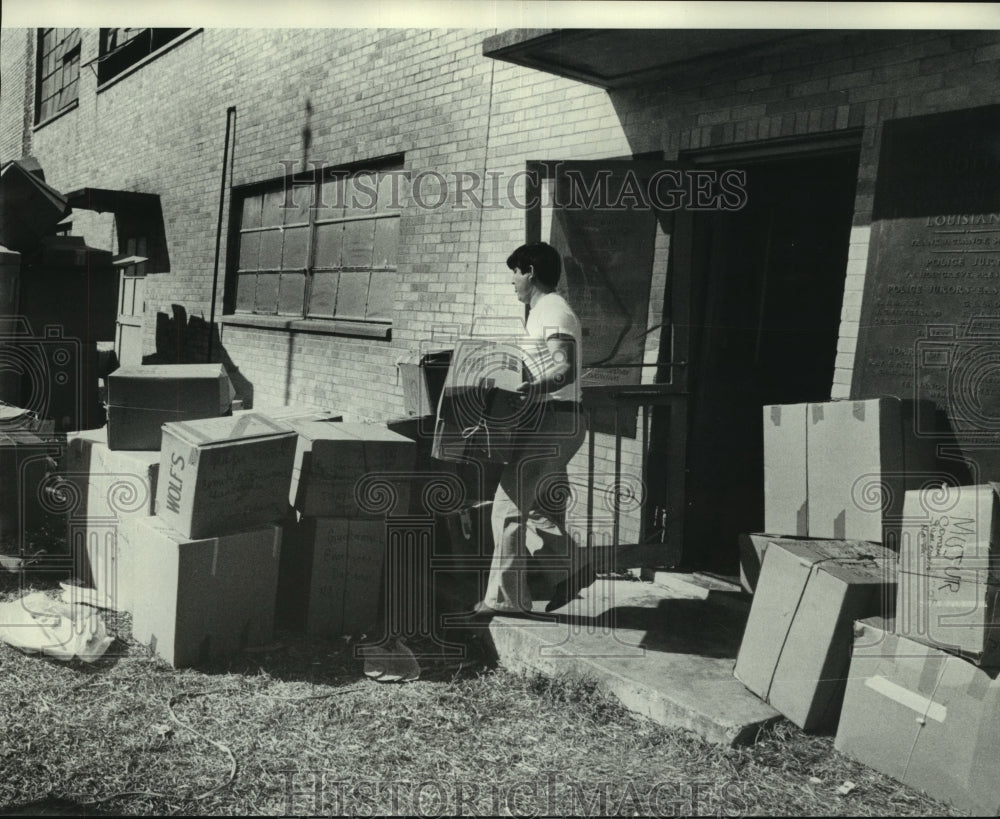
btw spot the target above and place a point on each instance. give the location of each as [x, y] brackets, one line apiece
[183, 339]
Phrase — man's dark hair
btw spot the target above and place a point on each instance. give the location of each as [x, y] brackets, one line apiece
[540, 257]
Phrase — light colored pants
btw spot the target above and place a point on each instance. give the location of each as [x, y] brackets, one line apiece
[530, 504]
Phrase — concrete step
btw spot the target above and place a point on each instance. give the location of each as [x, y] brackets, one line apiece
[666, 653]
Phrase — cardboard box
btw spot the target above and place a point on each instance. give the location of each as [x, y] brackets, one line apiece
[351, 470]
[786, 499]
[423, 380]
[223, 475]
[110, 485]
[949, 570]
[752, 548]
[293, 412]
[131, 474]
[862, 457]
[196, 600]
[332, 575]
[797, 642]
[481, 415]
[142, 399]
[924, 717]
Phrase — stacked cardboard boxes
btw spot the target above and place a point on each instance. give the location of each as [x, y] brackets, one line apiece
[949, 571]
[111, 472]
[931, 676]
[205, 567]
[920, 690]
[347, 479]
[834, 478]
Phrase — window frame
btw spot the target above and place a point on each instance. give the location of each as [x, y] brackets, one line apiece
[114, 65]
[311, 318]
[69, 58]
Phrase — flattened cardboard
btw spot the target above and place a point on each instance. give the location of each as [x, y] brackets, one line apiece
[796, 645]
[924, 717]
[786, 499]
[949, 581]
[197, 600]
[224, 475]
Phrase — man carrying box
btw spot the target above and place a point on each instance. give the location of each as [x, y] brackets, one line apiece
[530, 502]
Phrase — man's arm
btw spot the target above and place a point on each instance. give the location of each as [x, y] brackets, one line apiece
[559, 370]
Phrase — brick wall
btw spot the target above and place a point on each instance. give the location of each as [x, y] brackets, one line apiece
[432, 96]
[818, 85]
[17, 68]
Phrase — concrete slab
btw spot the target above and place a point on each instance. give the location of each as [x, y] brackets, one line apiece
[666, 650]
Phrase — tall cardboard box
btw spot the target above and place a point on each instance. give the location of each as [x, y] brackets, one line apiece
[111, 485]
[863, 456]
[332, 575]
[222, 475]
[142, 399]
[351, 470]
[924, 717]
[786, 499]
[949, 570]
[797, 642]
[198, 599]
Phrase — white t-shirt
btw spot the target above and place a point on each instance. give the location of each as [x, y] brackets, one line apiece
[552, 316]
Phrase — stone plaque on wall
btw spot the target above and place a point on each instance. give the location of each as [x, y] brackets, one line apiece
[930, 320]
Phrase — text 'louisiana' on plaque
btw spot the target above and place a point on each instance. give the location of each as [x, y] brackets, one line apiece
[930, 320]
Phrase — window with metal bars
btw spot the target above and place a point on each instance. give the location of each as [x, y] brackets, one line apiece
[320, 249]
[58, 71]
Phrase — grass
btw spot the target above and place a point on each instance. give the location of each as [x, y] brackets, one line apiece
[299, 729]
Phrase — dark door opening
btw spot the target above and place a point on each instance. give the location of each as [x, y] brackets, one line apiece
[767, 288]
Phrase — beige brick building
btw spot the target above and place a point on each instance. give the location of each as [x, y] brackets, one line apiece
[137, 111]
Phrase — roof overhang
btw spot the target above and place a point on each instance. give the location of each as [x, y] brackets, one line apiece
[614, 58]
[104, 200]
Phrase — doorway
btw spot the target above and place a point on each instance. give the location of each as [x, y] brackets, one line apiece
[767, 286]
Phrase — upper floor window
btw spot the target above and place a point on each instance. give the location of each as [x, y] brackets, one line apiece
[58, 71]
[121, 48]
[321, 250]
